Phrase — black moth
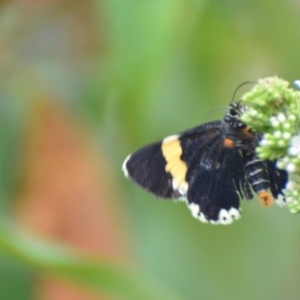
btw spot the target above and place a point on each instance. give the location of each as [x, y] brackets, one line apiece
[210, 167]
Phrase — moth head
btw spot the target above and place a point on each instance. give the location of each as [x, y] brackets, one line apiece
[234, 112]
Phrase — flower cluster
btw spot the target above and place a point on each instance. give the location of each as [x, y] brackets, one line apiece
[274, 109]
[291, 163]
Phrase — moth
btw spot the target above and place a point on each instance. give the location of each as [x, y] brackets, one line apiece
[209, 167]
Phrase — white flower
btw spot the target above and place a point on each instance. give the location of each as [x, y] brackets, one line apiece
[294, 148]
[280, 165]
[286, 135]
[292, 117]
[297, 83]
[277, 134]
[295, 142]
[281, 117]
[291, 167]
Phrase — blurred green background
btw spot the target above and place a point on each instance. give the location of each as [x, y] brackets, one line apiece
[127, 73]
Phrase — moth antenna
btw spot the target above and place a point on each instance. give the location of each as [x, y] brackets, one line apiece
[242, 84]
[216, 109]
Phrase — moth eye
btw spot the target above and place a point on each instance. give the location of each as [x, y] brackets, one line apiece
[233, 112]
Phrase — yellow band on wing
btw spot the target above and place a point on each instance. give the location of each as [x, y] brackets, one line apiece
[172, 152]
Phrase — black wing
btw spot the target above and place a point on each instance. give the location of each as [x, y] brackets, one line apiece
[160, 169]
[216, 183]
[197, 167]
[278, 180]
[146, 167]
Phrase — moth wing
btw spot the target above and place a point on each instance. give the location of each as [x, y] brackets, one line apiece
[278, 180]
[216, 183]
[161, 168]
[146, 167]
